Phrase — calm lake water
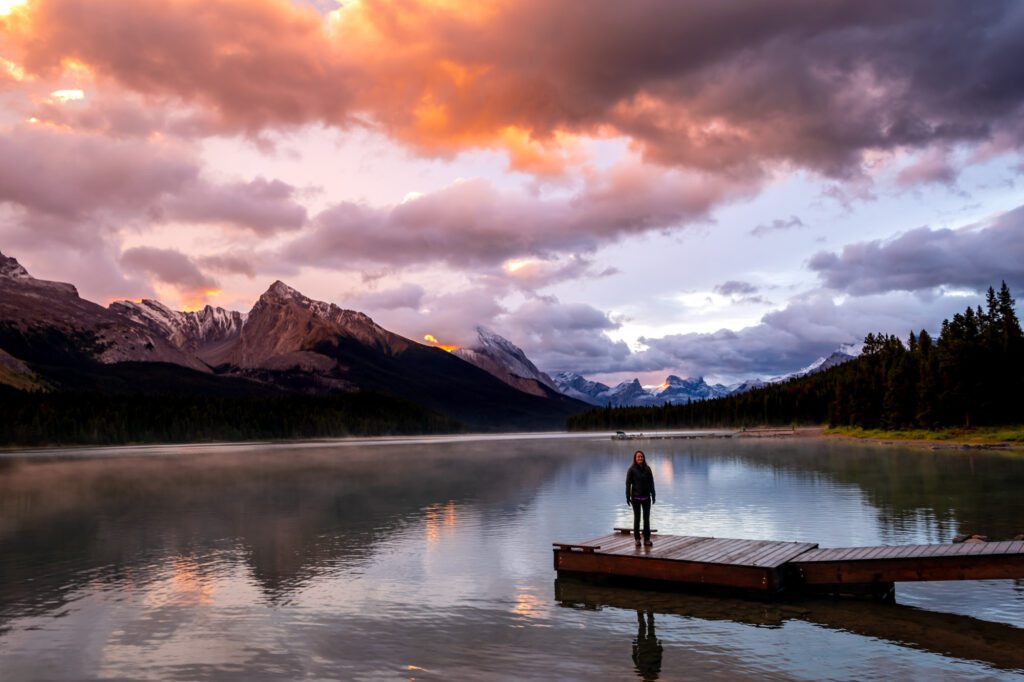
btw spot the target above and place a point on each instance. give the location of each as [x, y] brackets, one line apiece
[431, 559]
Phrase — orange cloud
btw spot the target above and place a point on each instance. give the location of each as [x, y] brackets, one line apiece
[734, 88]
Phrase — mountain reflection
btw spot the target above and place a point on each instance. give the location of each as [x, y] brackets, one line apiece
[291, 516]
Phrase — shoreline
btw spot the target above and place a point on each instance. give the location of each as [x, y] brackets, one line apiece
[951, 441]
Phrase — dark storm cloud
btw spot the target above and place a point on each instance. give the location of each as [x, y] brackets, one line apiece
[974, 257]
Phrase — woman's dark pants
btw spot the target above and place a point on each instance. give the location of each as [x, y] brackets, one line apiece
[644, 505]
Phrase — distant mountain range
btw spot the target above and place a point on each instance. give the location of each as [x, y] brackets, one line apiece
[678, 391]
[53, 339]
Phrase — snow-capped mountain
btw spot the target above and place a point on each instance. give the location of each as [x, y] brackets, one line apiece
[628, 393]
[200, 332]
[632, 394]
[46, 321]
[844, 353]
[502, 358]
[677, 391]
[576, 386]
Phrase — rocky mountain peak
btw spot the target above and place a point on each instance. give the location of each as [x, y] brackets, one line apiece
[10, 268]
[500, 357]
[281, 290]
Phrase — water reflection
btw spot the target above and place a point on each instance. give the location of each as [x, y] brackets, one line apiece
[951, 635]
[646, 647]
[422, 559]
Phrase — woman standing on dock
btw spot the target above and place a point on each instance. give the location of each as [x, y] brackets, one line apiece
[640, 495]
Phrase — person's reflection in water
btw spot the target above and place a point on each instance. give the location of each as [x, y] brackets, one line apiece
[646, 647]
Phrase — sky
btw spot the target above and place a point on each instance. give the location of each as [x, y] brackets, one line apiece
[721, 189]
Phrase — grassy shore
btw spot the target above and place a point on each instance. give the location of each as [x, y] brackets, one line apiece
[1006, 436]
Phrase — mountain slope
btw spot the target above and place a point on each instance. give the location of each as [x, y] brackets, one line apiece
[47, 322]
[505, 360]
[287, 331]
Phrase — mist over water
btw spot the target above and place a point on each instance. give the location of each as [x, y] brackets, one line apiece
[431, 559]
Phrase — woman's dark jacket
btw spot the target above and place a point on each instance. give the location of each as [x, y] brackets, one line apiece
[640, 482]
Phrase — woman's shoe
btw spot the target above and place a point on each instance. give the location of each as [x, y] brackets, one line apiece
[649, 543]
[637, 543]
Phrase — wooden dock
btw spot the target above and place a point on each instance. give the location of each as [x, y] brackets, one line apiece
[769, 567]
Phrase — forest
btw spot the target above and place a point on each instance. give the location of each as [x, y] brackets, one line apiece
[971, 375]
[37, 418]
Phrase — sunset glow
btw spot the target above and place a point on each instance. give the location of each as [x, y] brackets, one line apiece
[429, 338]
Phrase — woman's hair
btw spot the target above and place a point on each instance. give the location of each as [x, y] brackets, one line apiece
[639, 452]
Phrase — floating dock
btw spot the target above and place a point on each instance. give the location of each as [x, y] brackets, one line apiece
[768, 567]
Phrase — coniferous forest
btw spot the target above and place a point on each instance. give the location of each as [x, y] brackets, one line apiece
[972, 374]
[79, 418]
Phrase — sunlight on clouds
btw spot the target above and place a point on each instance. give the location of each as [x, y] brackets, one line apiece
[13, 70]
[66, 95]
[7, 7]
[516, 264]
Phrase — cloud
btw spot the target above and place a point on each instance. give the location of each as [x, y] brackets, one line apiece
[168, 266]
[471, 223]
[407, 295]
[75, 186]
[233, 264]
[777, 225]
[736, 88]
[785, 340]
[263, 206]
[735, 287]
[563, 336]
[933, 167]
[974, 257]
[68, 176]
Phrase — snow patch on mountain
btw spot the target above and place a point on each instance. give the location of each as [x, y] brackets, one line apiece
[500, 357]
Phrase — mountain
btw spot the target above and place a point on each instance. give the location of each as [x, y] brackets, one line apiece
[49, 323]
[633, 394]
[677, 391]
[505, 360]
[628, 393]
[844, 353]
[576, 386]
[288, 343]
[289, 332]
[203, 333]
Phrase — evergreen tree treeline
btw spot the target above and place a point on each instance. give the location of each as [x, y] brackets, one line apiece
[78, 418]
[972, 375]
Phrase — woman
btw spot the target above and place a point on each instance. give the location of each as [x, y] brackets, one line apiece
[640, 494]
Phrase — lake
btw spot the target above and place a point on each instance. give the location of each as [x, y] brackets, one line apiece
[431, 559]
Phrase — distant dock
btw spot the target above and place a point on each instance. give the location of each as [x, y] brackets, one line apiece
[673, 435]
[761, 432]
[769, 567]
